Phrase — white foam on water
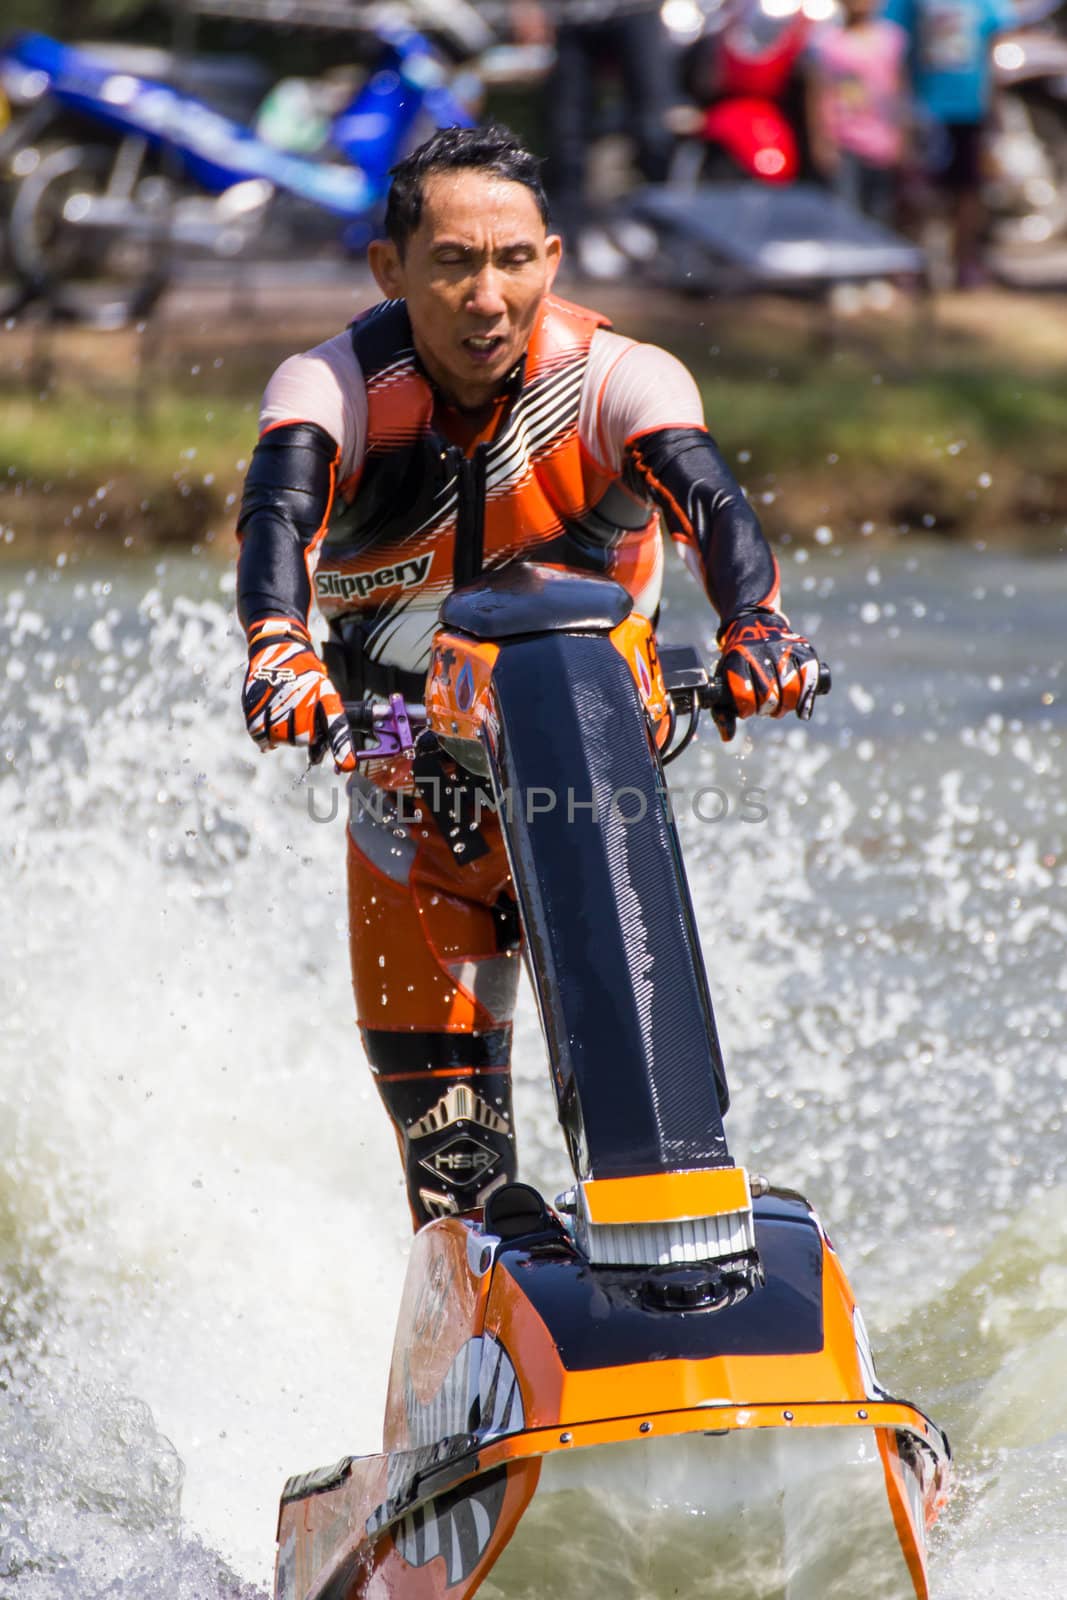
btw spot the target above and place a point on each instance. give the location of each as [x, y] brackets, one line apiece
[202, 1228]
[198, 1171]
[1003, 1329]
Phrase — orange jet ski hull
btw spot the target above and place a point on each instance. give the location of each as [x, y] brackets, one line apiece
[550, 1423]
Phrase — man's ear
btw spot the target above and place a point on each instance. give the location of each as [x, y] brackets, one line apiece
[553, 255]
[384, 261]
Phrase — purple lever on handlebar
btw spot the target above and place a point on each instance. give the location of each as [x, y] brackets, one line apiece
[393, 732]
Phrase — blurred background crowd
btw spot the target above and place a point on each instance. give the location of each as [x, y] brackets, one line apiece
[854, 145]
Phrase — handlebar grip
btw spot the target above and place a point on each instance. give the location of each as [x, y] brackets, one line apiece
[360, 714]
[716, 695]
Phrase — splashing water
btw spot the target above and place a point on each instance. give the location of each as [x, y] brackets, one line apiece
[202, 1232]
[194, 1169]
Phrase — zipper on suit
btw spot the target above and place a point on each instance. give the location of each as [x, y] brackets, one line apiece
[469, 553]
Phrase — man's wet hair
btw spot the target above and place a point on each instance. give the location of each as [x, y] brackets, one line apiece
[493, 148]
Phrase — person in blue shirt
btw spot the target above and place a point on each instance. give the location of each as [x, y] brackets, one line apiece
[951, 74]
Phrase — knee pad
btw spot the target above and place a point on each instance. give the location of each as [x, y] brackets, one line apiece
[452, 1114]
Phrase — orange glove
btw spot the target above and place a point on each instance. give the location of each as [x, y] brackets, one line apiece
[288, 697]
[769, 668]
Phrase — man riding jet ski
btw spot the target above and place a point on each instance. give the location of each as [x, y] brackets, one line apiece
[468, 422]
[661, 1385]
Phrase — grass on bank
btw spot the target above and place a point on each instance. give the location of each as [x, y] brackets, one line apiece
[71, 433]
[954, 450]
[78, 466]
[884, 422]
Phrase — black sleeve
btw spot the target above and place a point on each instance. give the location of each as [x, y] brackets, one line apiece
[704, 507]
[287, 497]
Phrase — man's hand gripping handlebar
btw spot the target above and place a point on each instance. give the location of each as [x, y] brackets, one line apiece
[719, 699]
[769, 668]
[694, 689]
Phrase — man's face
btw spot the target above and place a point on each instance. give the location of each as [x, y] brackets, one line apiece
[474, 273]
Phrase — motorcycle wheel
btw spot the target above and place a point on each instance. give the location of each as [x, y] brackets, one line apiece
[16, 292]
[102, 278]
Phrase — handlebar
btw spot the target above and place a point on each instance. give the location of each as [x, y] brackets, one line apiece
[691, 686]
[718, 697]
[365, 716]
[394, 723]
[693, 689]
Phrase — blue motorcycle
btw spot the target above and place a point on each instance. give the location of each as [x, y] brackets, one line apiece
[155, 174]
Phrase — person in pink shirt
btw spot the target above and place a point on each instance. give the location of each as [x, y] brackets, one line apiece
[857, 106]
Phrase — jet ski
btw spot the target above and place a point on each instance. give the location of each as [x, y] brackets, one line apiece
[659, 1384]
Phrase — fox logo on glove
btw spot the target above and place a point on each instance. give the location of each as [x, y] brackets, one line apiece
[274, 675]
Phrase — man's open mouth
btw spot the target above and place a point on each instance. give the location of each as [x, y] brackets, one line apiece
[483, 345]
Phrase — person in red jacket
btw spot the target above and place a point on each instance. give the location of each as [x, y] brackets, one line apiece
[469, 420]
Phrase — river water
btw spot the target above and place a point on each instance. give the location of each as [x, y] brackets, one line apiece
[202, 1232]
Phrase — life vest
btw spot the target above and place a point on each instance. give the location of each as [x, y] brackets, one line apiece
[420, 517]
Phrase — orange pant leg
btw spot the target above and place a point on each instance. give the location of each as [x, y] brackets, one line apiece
[435, 963]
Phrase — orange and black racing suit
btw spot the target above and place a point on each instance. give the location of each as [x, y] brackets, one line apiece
[373, 495]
